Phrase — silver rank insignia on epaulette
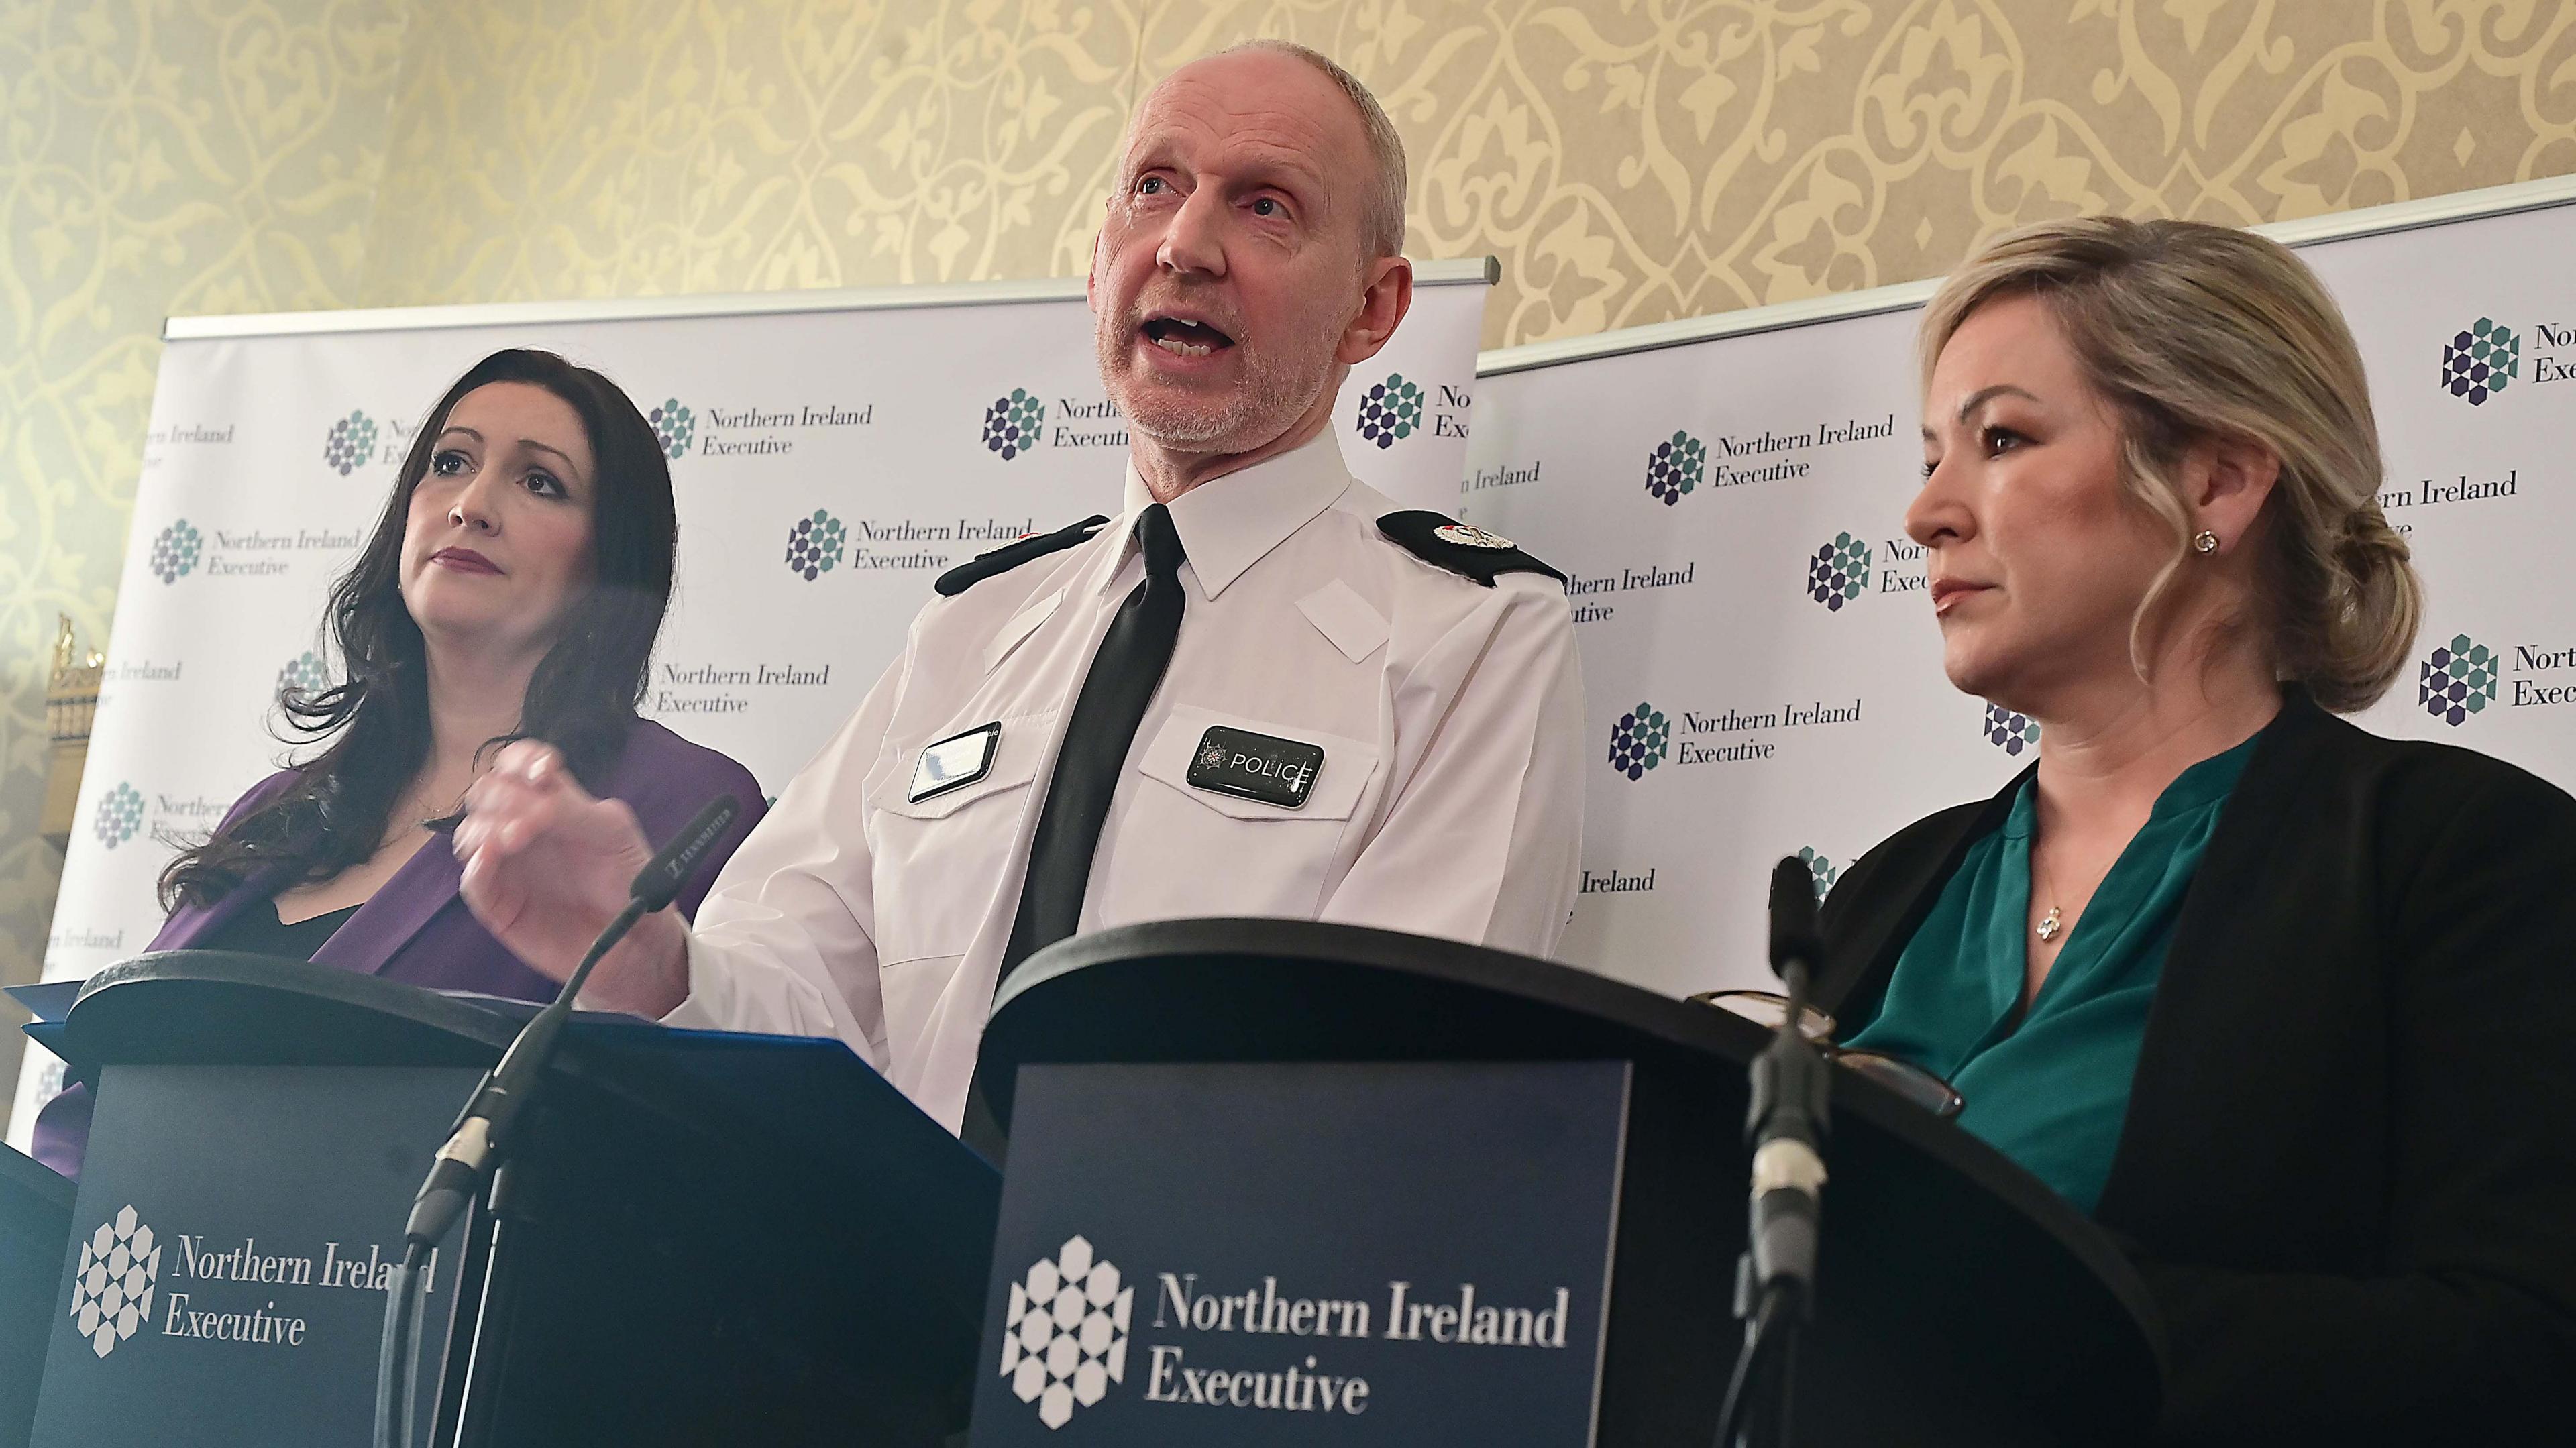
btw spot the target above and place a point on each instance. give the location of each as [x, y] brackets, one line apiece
[1471, 536]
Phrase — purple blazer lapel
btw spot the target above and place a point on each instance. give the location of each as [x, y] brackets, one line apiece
[190, 924]
[425, 885]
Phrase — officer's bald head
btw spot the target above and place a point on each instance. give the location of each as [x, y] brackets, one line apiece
[1381, 204]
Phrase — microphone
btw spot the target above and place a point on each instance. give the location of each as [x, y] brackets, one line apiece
[660, 882]
[1775, 1278]
[1794, 940]
[1787, 1119]
[482, 1130]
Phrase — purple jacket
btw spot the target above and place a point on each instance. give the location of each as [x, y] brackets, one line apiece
[415, 928]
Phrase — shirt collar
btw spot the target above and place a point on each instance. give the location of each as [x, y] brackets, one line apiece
[1229, 523]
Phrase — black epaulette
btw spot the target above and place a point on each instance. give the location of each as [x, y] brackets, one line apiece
[1460, 547]
[1011, 555]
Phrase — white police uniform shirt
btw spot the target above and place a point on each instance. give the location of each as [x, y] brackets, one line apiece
[1448, 802]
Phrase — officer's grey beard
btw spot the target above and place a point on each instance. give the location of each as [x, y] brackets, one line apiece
[1276, 391]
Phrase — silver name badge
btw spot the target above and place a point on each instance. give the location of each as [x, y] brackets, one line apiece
[955, 762]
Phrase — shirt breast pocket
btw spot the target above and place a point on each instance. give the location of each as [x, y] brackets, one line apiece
[938, 859]
[1229, 854]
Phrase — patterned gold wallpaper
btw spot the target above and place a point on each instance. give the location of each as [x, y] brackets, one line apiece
[156, 156]
[1629, 160]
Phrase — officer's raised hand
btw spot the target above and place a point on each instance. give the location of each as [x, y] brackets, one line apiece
[547, 867]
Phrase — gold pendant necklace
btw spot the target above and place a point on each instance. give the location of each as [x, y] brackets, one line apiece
[2050, 924]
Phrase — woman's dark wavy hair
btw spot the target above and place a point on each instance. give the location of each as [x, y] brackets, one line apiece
[581, 699]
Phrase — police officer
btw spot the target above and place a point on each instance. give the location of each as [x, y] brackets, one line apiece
[1261, 690]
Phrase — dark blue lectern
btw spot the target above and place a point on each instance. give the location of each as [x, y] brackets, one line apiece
[1255, 1163]
[700, 1237]
[35, 1218]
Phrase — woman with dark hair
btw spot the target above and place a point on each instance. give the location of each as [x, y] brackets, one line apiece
[512, 589]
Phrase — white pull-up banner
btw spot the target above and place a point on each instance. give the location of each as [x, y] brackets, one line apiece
[1760, 655]
[1726, 496]
[832, 454]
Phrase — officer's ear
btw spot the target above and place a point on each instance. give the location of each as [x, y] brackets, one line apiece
[1386, 294]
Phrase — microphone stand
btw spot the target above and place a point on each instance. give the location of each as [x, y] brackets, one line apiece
[1787, 1125]
[477, 1146]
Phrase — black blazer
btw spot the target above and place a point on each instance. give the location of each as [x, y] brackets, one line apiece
[2348, 1168]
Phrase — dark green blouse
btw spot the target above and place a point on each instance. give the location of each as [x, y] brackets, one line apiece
[2050, 1089]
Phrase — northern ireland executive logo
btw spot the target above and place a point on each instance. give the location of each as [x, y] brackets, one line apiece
[1390, 410]
[673, 427]
[814, 545]
[304, 674]
[1675, 467]
[2457, 680]
[2010, 732]
[352, 441]
[1015, 424]
[175, 550]
[1639, 739]
[112, 1287]
[1839, 571]
[2480, 362]
[1064, 1334]
[1820, 868]
[120, 814]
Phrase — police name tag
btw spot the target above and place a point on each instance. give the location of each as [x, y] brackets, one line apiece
[1256, 766]
[955, 762]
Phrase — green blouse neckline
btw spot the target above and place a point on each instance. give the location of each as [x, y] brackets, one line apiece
[2049, 1086]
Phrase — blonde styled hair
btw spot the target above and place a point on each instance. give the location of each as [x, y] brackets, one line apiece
[2196, 333]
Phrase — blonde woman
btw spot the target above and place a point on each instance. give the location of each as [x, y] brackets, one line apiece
[2285, 1005]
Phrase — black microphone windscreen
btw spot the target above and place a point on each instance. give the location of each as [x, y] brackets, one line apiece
[1793, 914]
[659, 883]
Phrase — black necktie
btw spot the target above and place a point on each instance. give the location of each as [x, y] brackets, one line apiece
[1124, 674]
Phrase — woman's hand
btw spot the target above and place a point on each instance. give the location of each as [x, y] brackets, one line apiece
[547, 867]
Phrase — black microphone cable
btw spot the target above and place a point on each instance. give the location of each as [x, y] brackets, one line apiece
[483, 1129]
